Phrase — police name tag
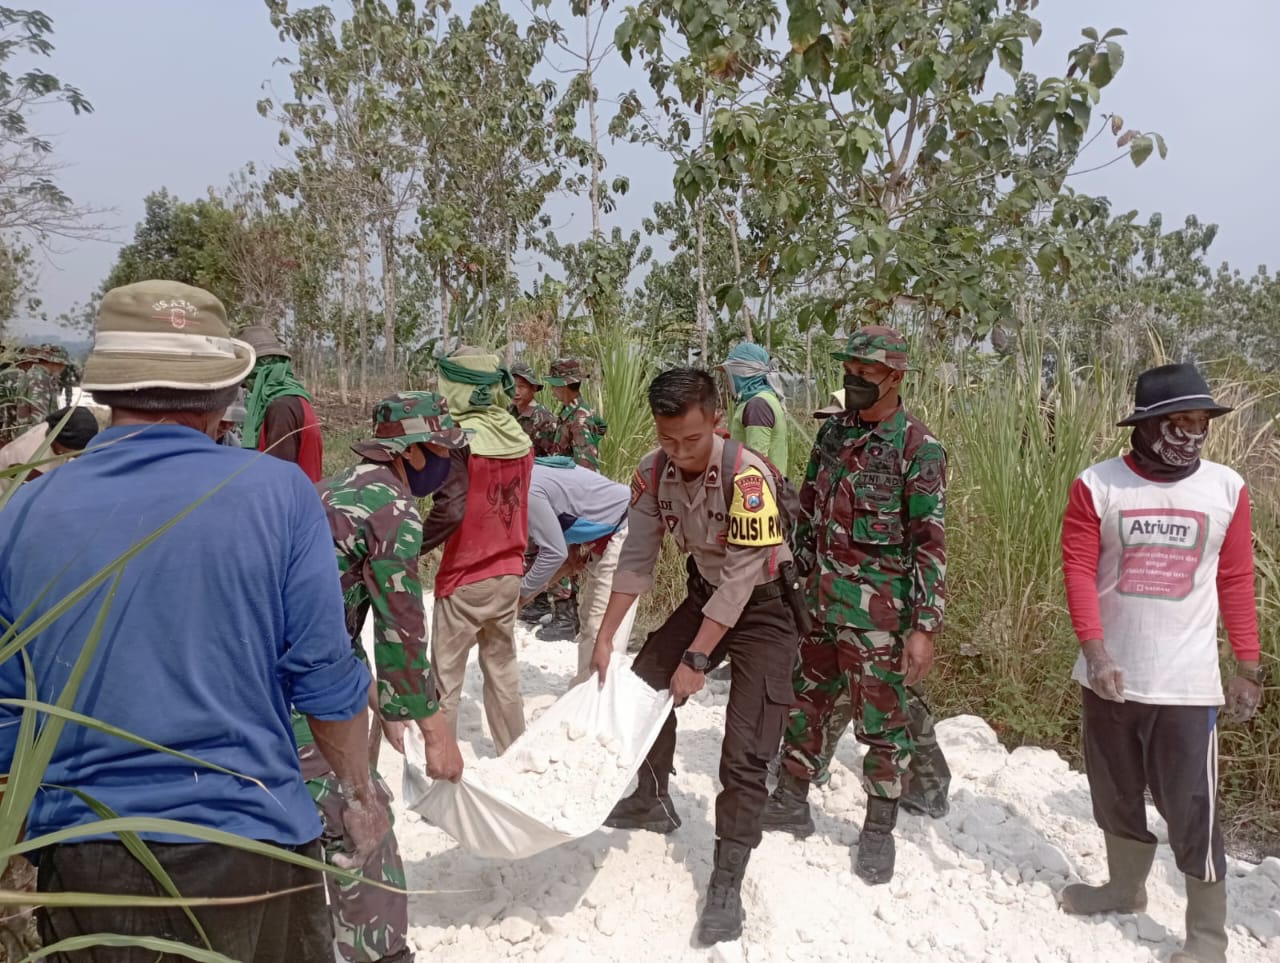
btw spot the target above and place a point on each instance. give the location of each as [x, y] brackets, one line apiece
[753, 513]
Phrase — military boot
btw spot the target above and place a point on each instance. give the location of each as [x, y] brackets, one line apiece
[788, 808]
[404, 956]
[563, 626]
[1128, 863]
[649, 807]
[876, 850]
[537, 610]
[1206, 923]
[722, 915]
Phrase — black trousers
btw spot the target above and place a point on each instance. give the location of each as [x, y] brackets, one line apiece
[1173, 750]
[762, 650]
[295, 927]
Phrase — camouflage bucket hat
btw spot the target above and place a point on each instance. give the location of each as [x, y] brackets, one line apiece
[163, 334]
[410, 418]
[878, 345]
[55, 354]
[522, 370]
[566, 371]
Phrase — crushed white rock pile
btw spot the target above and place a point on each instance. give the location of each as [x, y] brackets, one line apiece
[978, 885]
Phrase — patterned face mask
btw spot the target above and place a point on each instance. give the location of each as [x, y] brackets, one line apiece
[1170, 444]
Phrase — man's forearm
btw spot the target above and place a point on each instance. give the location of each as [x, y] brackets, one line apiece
[345, 746]
[710, 632]
[614, 613]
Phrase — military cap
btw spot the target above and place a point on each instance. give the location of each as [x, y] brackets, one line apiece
[163, 334]
[566, 371]
[410, 418]
[264, 342]
[522, 370]
[878, 345]
[53, 353]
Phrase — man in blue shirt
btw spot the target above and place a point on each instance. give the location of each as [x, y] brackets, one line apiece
[577, 520]
[210, 633]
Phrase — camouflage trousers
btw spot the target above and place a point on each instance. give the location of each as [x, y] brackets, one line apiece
[845, 671]
[369, 923]
[928, 774]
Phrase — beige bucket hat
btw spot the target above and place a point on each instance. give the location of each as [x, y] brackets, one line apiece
[163, 334]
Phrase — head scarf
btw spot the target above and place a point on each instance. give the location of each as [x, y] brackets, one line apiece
[478, 390]
[752, 372]
[1164, 452]
[272, 379]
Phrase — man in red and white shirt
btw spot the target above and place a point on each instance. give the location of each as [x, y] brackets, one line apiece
[1156, 545]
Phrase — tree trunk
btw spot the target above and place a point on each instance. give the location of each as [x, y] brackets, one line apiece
[731, 221]
[704, 312]
[445, 347]
[808, 370]
[589, 73]
[389, 295]
[362, 334]
[340, 334]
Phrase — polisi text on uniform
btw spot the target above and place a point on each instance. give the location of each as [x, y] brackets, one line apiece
[752, 529]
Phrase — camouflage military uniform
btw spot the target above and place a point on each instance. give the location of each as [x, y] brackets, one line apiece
[28, 394]
[540, 425]
[578, 428]
[873, 541]
[377, 533]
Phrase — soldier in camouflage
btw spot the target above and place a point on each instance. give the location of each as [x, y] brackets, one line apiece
[36, 384]
[579, 431]
[377, 532]
[872, 543]
[535, 418]
[929, 775]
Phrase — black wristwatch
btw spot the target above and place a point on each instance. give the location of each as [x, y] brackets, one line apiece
[1258, 674]
[695, 660]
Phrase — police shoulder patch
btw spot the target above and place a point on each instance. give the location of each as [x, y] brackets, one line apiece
[638, 487]
[753, 514]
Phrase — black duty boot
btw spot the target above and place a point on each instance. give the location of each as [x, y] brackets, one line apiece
[563, 626]
[921, 801]
[537, 610]
[875, 847]
[649, 808]
[722, 915]
[788, 809]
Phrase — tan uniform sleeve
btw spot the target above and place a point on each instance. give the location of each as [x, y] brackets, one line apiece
[746, 567]
[639, 555]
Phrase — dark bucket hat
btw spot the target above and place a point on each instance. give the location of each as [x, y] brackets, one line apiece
[1171, 388]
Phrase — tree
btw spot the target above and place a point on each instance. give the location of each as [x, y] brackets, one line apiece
[880, 164]
[33, 208]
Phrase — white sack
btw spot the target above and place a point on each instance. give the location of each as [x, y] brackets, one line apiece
[625, 715]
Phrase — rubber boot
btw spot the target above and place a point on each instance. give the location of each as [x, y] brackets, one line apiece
[788, 808]
[537, 610]
[876, 849]
[563, 626]
[722, 915]
[1125, 891]
[648, 808]
[1206, 923]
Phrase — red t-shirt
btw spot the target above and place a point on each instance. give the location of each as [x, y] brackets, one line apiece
[491, 540]
[292, 432]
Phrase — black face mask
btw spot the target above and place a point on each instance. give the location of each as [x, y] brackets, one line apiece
[427, 479]
[859, 393]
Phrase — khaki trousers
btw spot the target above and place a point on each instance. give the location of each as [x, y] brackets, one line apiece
[484, 614]
[593, 599]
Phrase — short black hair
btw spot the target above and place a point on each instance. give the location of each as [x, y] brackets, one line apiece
[79, 429]
[677, 390]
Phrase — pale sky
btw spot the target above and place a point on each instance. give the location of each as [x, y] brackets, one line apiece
[174, 85]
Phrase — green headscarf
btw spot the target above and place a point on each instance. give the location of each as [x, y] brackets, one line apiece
[478, 390]
[272, 378]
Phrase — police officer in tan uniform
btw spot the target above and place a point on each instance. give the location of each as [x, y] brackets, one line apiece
[721, 508]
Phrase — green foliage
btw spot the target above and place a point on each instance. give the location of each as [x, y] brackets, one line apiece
[876, 160]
